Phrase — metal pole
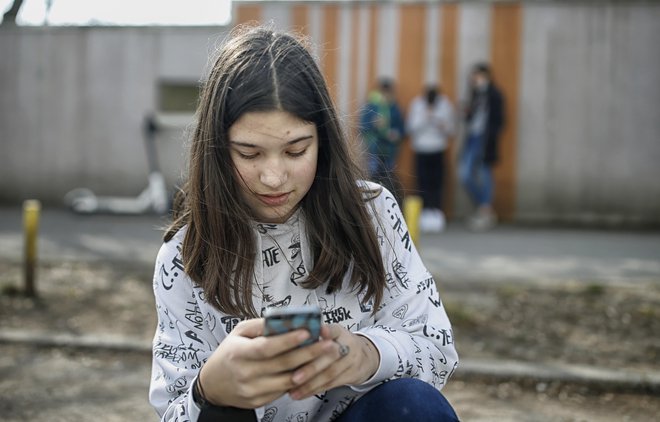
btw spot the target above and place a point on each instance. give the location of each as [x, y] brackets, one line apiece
[31, 210]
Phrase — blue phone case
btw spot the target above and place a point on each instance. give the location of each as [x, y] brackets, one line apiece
[283, 320]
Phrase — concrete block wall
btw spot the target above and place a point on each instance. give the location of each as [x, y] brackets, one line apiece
[589, 123]
[73, 103]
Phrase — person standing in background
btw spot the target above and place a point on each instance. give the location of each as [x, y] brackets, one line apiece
[382, 129]
[484, 118]
[430, 125]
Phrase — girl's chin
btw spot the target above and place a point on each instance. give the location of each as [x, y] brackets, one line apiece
[273, 216]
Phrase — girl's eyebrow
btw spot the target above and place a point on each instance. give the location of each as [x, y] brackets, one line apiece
[292, 142]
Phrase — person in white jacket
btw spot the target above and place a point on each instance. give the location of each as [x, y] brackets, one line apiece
[274, 214]
[431, 124]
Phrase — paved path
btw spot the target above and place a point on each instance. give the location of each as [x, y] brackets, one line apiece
[508, 253]
[530, 254]
[67, 236]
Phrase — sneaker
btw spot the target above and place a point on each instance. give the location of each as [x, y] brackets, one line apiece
[484, 219]
[425, 221]
[438, 221]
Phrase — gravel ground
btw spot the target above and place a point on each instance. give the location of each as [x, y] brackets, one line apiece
[609, 326]
[605, 325]
[49, 384]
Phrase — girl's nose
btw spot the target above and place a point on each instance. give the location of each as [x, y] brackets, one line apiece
[273, 177]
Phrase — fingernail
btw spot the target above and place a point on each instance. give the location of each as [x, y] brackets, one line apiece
[304, 335]
[295, 395]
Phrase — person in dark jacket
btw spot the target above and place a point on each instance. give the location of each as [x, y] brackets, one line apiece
[484, 119]
[382, 129]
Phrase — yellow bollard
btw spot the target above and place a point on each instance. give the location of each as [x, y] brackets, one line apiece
[412, 209]
[31, 210]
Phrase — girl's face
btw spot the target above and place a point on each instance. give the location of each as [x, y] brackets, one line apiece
[275, 155]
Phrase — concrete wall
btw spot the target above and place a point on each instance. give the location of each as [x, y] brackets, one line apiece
[73, 102]
[589, 126]
[584, 142]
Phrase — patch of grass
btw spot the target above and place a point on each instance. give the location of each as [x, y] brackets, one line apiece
[7, 289]
[648, 312]
[509, 291]
[594, 290]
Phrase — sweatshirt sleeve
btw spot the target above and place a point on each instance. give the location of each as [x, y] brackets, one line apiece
[183, 339]
[411, 330]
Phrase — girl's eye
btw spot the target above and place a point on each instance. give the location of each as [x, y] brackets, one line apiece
[247, 156]
[297, 153]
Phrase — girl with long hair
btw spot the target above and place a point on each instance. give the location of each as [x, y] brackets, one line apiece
[274, 213]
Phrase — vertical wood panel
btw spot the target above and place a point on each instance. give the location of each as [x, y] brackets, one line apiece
[505, 59]
[372, 72]
[449, 81]
[410, 81]
[299, 19]
[356, 96]
[329, 47]
[362, 50]
[247, 13]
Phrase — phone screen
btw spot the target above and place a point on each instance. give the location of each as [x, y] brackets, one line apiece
[283, 320]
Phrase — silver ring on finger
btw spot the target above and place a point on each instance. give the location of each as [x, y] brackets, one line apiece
[343, 349]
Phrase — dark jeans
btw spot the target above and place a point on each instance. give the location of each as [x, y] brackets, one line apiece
[401, 400]
[430, 178]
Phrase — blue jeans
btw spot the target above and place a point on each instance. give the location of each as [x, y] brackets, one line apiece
[401, 400]
[476, 175]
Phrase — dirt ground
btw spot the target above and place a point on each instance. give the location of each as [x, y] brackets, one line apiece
[604, 325]
[610, 326]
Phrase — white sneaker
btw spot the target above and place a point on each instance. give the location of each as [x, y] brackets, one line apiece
[439, 221]
[426, 221]
[482, 220]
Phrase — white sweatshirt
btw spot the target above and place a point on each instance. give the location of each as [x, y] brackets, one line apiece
[411, 330]
[430, 127]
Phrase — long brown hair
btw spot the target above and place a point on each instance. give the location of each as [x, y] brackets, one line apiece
[259, 69]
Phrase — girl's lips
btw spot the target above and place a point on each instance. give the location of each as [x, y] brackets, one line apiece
[274, 200]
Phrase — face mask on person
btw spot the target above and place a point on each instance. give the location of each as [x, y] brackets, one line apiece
[480, 83]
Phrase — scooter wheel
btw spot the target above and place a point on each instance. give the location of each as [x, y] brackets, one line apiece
[81, 200]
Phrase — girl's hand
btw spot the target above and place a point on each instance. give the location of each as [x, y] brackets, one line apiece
[332, 369]
[248, 370]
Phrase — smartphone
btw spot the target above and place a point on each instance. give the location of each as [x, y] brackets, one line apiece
[283, 320]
